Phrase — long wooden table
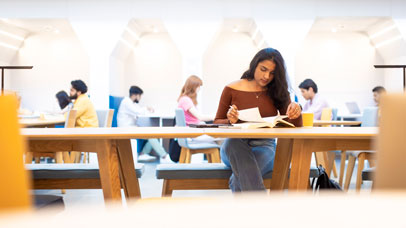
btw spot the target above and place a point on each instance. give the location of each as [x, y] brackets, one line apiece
[296, 145]
[115, 155]
[38, 122]
[113, 148]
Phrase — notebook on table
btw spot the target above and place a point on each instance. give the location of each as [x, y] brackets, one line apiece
[208, 125]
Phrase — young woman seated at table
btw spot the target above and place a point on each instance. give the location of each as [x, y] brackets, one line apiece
[263, 85]
[188, 101]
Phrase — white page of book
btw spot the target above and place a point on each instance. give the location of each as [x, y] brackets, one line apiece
[272, 119]
[253, 115]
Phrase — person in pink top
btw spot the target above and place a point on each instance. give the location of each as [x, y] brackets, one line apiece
[188, 101]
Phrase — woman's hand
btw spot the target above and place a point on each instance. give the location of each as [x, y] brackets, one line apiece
[293, 111]
[232, 114]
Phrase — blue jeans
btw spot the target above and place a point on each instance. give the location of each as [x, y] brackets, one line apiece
[249, 160]
[153, 144]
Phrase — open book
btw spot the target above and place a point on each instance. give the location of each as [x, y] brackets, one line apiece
[254, 120]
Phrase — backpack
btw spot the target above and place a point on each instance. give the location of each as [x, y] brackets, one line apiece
[324, 182]
[174, 148]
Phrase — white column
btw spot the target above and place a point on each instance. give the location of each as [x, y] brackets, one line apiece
[193, 37]
[98, 37]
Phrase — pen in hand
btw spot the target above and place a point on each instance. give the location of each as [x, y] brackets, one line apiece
[232, 108]
[232, 114]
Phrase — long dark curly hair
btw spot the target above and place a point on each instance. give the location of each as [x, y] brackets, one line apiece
[277, 89]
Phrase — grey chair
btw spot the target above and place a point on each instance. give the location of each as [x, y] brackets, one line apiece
[211, 150]
[369, 119]
[105, 117]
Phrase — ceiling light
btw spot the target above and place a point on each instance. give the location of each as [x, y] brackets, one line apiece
[386, 42]
[333, 30]
[11, 35]
[235, 28]
[127, 44]
[382, 31]
[132, 33]
[56, 31]
[8, 46]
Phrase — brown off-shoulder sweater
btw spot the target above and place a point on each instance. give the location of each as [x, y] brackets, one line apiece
[244, 100]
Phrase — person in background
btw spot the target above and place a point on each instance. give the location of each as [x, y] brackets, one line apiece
[127, 115]
[188, 101]
[378, 91]
[263, 85]
[86, 115]
[64, 101]
[315, 103]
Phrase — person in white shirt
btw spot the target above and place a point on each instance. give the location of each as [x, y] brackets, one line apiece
[127, 115]
[315, 103]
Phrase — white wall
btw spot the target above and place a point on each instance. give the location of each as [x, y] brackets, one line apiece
[224, 62]
[341, 64]
[57, 61]
[395, 54]
[87, 10]
[117, 77]
[99, 37]
[156, 67]
[394, 77]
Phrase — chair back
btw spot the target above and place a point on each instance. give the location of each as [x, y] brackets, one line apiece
[370, 117]
[335, 113]
[70, 119]
[14, 193]
[326, 114]
[114, 103]
[105, 117]
[391, 144]
[181, 122]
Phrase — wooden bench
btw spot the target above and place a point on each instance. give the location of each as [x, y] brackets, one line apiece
[70, 176]
[201, 176]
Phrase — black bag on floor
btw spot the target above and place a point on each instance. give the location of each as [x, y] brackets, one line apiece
[174, 150]
[324, 182]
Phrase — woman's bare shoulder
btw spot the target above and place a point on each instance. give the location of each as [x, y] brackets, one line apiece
[238, 85]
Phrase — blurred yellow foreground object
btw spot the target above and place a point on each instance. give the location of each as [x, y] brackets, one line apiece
[13, 176]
